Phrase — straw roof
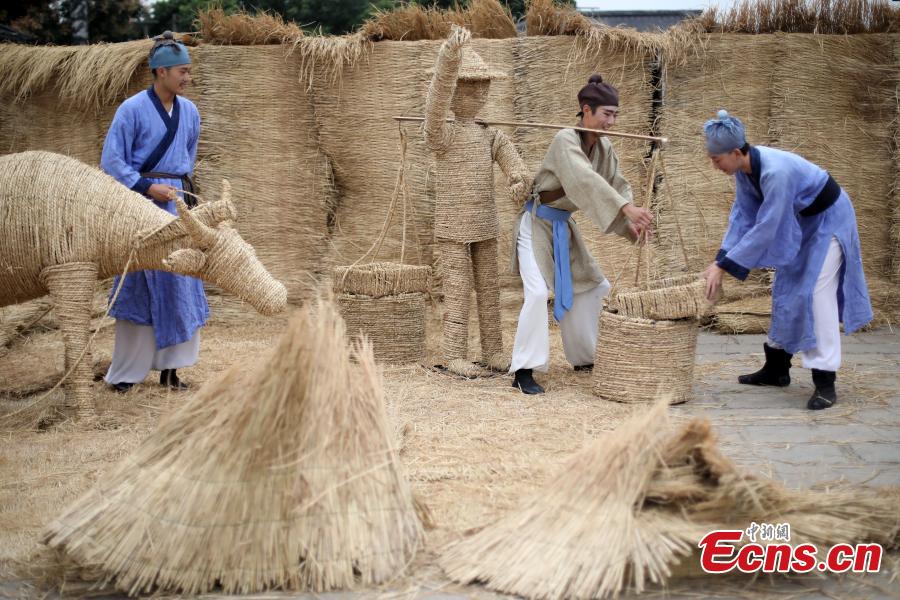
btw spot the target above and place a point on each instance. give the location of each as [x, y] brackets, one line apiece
[800, 16]
[277, 474]
[411, 22]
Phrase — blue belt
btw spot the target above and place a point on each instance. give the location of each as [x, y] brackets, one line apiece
[562, 270]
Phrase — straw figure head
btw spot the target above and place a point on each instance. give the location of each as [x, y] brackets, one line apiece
[223, 258]
[473, 83]
[278, 474]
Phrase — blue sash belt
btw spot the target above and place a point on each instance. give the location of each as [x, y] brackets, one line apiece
[562, 270]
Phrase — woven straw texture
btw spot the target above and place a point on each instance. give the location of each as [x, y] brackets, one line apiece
[395, 325]
[669, 298]
[259, 131]
[299, 489]
[379, 279]
[637, 359]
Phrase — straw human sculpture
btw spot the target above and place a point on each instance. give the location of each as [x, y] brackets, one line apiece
[277, 474]
[64, 225]
[627, 510]
[466, 224]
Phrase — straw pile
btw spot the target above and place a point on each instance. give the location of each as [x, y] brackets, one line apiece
[386, 303]
[278, 474]
[243, 28]
[638, 359]
[412, 22]
[628, 509]
[669, 298]
[800, 16]
[259, 129]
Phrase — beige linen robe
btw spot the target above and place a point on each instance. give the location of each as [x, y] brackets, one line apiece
[594, 185]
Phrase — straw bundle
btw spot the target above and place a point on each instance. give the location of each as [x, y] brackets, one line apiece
[394, 324]
[484, 18]
[379, 279]
[281, 179]
[748, 315]
[669, 298]
[638, 359]
[628, 509]
[280, 474]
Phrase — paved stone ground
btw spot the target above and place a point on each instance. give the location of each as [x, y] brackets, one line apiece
[770, 431]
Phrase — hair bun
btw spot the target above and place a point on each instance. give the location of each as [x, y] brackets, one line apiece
[722, 114]
[595, 78]
[168, 35]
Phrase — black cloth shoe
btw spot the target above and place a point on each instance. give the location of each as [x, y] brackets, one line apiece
[122, 387]
[776, 371]
[825, 395]
[589, 367]
[167, 377]
[525, 382]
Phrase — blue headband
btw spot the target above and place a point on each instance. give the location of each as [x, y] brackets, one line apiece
[169, 53]
[724, 134]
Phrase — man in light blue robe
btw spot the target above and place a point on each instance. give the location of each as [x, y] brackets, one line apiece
[790, 215]
[151, 147]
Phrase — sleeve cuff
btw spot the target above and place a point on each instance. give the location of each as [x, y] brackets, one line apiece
[721, 254]
[734, 269]
[141, 186]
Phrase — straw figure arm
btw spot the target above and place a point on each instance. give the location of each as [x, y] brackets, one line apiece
[590, 191]
[438, 133]
[505, 154]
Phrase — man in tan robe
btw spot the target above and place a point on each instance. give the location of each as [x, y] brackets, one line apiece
[580, 172]
[466, 225]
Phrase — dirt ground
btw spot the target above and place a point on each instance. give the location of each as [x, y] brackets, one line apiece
[473, 449]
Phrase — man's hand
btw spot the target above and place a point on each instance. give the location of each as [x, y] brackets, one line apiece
[713, 275]
[161, 192]
[639, 234]
[639, 217]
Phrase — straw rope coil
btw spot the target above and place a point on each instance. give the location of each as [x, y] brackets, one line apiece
[637, 359]
[300, 489]
[379, 279]
[395, 325]
[678, 297]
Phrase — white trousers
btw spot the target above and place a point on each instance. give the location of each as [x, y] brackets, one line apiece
[135, 353]
[826, 356]
[531, 349]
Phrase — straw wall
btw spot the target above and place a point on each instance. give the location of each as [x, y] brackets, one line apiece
[313, 161]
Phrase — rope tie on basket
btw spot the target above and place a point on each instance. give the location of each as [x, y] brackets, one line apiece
[400, 192]
[131, 256]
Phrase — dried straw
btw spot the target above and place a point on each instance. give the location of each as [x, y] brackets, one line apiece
[379, 279]
[638, 359]
[841, 17]
[299, 489]
[395, 324]
[748, 315]
[243, 28]
[669, 298]
[411, 22]
[628, 509]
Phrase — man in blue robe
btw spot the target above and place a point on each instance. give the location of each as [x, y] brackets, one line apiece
[790, 215]
[151, 147]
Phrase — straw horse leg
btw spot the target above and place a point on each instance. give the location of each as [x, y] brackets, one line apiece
[72, 286]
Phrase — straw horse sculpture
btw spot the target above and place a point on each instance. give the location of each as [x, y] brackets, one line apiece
[64, 224]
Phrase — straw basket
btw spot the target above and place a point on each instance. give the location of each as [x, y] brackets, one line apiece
[680, 297]
[385, 302]
[639, 359]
